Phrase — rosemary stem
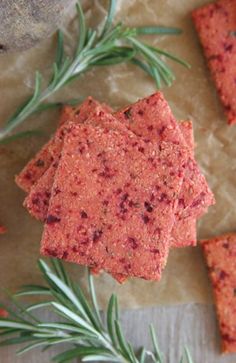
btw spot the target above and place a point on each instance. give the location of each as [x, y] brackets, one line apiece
[108, 344]
[23, 115]
[28, 112]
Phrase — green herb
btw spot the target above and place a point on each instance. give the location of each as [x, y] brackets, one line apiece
[89, 338]
[20, 135]
[106, 45]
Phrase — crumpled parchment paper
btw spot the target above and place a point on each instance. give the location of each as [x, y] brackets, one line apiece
[192, 96]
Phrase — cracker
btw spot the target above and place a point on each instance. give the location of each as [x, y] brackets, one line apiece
[110, 208]
[216, 27]
[152, 119]
[220, 255]
[184, 231]
[38, 199]
[37, 166]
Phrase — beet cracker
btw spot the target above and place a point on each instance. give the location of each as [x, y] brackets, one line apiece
[220, 255]
[184, 232]
[79, 115]
[216, 27]
[186, 128]
[115, 211]
[37, 200]
[37, 166]
[160, 125]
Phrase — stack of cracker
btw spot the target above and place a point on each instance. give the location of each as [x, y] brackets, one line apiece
[117, 190]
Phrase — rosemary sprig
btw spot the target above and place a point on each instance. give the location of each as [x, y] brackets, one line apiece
[78, 322]
[106, 45]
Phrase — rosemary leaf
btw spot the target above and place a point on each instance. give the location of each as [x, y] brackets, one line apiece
[143, 355]
[169, 55]
[188, 356]
[110, 320]
[38, 306]
[82, 30]
[109, 17]
[157, 30]
[157, 352]
[31, 346]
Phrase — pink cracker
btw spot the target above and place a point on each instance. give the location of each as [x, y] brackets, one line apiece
[132, 162]
[216, 27]
[160, 124]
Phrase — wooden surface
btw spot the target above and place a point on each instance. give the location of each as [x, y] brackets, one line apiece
[193, 325]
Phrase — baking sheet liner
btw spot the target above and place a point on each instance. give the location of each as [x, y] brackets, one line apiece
[191, 97]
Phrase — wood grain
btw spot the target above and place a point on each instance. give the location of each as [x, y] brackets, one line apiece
[192, 325]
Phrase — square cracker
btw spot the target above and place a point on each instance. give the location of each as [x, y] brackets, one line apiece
[220, 255]
[152, 119]
[184, 231]
[41, 181]
[38, 165]
[216, 27]
[116, 209]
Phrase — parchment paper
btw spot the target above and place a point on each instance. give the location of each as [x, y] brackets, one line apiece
[191, 97]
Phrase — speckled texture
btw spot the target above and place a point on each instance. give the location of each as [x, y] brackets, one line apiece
[220, 255]
[37, 166]
[49, 153]
[183, 234]
[186, 128]
[24, 22]
[77, 114]
[184, 231]
[38, 198]
[216, 27]
[114, 211]
[192, 96]
[160, 124]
